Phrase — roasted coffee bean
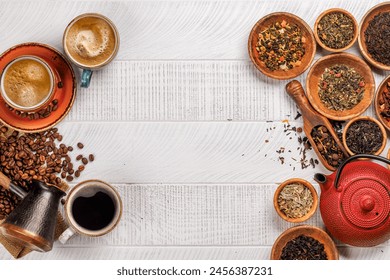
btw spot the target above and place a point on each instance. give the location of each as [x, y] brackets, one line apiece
[77, 173]
[81, 168]
[80, 145]
[79, 157]
[91, 157]
[85, 160]
[69, 178]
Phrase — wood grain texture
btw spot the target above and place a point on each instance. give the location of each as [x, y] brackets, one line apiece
[189, 152]
[179, 123]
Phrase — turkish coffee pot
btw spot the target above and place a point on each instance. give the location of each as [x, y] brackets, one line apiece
[355, 201]
[32, 223]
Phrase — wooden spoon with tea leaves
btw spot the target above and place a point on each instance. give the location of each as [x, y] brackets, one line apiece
[318, 129]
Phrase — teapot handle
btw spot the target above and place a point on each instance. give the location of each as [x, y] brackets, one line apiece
[341, 167]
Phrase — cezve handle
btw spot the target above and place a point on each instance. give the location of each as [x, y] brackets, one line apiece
[6, 183]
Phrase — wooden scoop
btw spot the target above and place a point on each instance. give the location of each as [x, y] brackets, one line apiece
[312, 119]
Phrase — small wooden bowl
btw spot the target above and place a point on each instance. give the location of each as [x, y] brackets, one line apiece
[310, 45]
[382, 128]
[313, 193]
[311, 231]
[318, 69]
[380, 8]
[382, 86]
[330, 11]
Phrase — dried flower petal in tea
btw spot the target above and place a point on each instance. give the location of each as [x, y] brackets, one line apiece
[336, 30]
[295, 200]
[341, 87]
[384, 102]
[281, 46]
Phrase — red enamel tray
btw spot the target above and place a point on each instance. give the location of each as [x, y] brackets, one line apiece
[65, 94]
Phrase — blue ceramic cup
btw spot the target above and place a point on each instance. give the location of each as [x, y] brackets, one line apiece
[90, 41]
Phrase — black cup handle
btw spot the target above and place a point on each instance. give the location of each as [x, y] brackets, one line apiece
[341, 167]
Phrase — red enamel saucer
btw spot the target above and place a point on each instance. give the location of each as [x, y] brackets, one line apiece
[65, 90]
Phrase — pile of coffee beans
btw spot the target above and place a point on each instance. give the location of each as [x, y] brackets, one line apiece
[8, 202]
[39, 156]
[41, 114]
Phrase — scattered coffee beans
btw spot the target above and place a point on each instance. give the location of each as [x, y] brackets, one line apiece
[8, 202]
[44, 113]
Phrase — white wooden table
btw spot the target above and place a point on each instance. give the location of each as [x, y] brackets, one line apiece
[178, 124]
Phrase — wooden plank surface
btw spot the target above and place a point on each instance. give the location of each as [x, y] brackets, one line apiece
[183, 125]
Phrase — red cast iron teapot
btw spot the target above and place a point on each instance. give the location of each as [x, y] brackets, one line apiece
[355, 201]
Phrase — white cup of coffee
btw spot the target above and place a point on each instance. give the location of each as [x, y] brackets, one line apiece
[90, 41]
[92, 208]
[27, 83]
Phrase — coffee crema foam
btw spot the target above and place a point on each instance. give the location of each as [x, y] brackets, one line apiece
[27, 83]
[90, 41]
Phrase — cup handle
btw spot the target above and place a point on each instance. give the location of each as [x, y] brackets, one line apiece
[86, 78]
[68, 233]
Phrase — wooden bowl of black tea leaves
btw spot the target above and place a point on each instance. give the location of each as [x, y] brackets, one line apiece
[374, 32]
[304, 242]
[364, 135]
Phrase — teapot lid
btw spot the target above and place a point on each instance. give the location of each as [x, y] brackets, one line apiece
[366, 203]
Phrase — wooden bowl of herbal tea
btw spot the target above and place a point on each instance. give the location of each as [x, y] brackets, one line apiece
[364, 135]
[382, 103]
[304, 242]
[374, 33]
[340, 86]
[295, 200]
[281, 45]
[336, 30]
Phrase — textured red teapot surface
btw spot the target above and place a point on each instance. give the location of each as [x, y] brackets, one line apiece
[357, 210]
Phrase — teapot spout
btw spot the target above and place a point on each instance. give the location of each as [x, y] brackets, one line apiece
[323, 181]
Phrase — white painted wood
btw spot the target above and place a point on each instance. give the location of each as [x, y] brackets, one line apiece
[179, 123]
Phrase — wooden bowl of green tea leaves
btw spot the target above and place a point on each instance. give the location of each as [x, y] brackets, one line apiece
[281, 45]
[304, 242]
[340, 86]
[336, 30]
[374, 32]
[295, 200]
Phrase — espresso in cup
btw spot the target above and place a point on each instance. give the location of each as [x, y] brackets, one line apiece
[91, 40]
[92, 208]
[27, 83]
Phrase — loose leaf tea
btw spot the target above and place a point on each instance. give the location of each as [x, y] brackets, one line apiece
[364, 137]
[377, 38]
[341, 87]
[336, 30]
[384, 102]
[327, 146]
[295, 200]
[304, 248]
[281, 46]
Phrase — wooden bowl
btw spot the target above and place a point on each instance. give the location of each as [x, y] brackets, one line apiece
[382, 86]
[313, 208]
[311, 231]
[330, 11]
[318, 69]
[264, 23]
[380, 8]
[384, 140]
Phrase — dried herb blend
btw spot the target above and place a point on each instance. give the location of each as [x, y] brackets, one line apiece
[295, 200]
[327, 146]
[384, 102]
[377, 38]
[364, 137]
[304, 248]
[281, 46]
[341, 87]
[336, 30]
